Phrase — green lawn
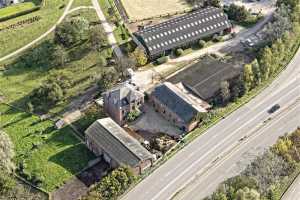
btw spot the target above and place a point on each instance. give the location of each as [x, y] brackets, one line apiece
[11, 10]
[50, 155]
[82, 3]
[12, 39]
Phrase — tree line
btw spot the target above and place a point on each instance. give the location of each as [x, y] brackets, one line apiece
[267, 177]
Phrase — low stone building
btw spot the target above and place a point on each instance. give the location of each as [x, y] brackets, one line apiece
[107, 139]
[121, 100]
[178, 105]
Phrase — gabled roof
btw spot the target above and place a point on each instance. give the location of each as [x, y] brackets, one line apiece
[204, 78]
[123, 94]
[117, 143]
[176, 102]
[183, 29]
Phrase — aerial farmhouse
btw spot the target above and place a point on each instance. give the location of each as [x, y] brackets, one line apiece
[160, 39]
[121, 100]
[107, 139]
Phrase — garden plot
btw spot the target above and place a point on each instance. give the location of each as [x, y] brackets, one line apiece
[142, 9]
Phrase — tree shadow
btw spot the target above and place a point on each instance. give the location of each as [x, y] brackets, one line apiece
[73, 159]
[34, 62]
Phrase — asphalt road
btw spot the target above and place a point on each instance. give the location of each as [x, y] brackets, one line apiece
[195, 171]
[293, 193]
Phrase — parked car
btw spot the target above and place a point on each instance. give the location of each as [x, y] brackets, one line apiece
[274, 108]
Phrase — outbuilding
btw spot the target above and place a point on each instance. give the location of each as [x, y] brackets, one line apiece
[107, 139]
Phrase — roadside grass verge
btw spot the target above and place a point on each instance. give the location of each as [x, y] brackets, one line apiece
[14, 38]
[44, 156]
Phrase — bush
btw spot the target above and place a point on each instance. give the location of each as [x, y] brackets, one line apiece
[162, 60]
[179, 52]
[25, 12]
[217, 38]
[113, 185]
[140, 56]
[102, 61]
[237, 13]
[133, 115]
[202, 43]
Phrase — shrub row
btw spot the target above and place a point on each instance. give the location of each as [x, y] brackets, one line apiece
[25, 12]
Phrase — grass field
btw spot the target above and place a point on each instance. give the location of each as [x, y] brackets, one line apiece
[11, 10]
[141, 9]
[17, 81]
[78, 3]
[46, 154]
[11, 40]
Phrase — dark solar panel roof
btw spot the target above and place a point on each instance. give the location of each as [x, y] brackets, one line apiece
[175, 103]
[183, 29]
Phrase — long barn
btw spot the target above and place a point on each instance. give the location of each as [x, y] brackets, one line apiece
[183, 31]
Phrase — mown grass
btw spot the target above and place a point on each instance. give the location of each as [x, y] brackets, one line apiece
[78, 3]
[52, 156]
[10, 10]
[12, 39]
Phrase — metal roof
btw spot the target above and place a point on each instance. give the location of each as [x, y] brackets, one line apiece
[117, 143]
[184, 29]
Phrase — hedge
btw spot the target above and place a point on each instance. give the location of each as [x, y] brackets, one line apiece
[162, 60]
[25, 12]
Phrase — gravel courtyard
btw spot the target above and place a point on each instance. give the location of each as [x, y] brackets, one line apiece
[153, 122]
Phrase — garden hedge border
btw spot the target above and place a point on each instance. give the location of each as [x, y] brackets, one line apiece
[25, 12]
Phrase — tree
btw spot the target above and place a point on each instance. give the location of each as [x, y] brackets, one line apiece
[115, 183]
[266, 62]
[256, 72]
[291, 3]
[225, 92]
[102, 61]
[280, 25]
[140, 56]
[201, 43]
[125, 63]
[61, 56]
[6, 153]
[97, 38]
[108, 79]
[247, 194]
[215, 3]
[237, 13]
[72, 31]
[248, 77]
[7, 183]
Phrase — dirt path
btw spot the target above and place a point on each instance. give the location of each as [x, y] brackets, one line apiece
[42, 36]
